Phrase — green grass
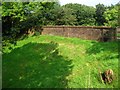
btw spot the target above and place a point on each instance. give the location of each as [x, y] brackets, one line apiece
[0, 9]
[59, 62]
[118, 34]
[0, 12]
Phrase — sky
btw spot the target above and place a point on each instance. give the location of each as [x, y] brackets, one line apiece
[90, 2]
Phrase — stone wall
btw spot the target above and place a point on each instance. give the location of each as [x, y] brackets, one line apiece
[84, 32]
[118, 32]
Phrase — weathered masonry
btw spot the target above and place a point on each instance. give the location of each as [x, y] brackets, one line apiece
[118, 33]
[98, 33]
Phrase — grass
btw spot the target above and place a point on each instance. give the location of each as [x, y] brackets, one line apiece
[0, 9]
[58, 62]
[0, 12]
[118, 34]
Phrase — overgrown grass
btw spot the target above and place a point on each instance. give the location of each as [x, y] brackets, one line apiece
[59, 62]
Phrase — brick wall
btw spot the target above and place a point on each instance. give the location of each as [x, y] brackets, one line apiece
[84, 32]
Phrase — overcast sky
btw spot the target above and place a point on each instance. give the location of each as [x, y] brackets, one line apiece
[90, 2]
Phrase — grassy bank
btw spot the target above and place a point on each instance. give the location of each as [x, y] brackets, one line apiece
[55, 62]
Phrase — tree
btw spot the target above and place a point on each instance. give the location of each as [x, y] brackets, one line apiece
[66, 17]
[118, 14]
[84, 14]
[60, 16]
[111, 16]
[12, 14]
[17, 17]
[100, 9]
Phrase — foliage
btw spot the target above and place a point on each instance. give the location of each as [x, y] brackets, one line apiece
[19, 17]
[24, 15]
[111, 17]
[68, 18]
[59, 62]
[118, 14]
[100, 9]
[84, 14]
[12, 15]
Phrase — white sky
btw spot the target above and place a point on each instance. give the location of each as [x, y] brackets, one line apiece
[90, 2]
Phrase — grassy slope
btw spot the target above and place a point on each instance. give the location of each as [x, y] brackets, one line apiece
[52, 61]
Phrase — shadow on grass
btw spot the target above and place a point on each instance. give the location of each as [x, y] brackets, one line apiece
[97, 47]
[107, 54]
[36, 65]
